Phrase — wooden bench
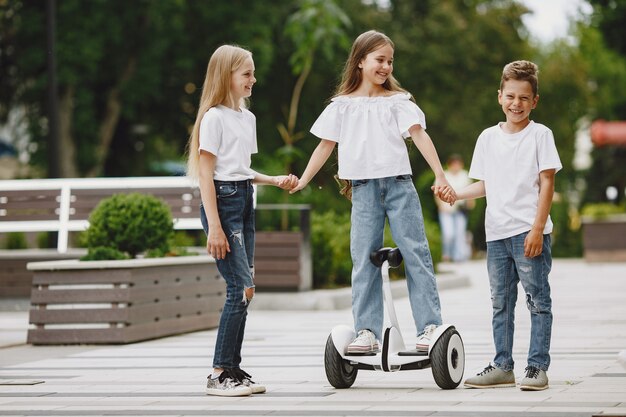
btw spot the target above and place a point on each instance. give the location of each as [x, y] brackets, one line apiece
[63, 206]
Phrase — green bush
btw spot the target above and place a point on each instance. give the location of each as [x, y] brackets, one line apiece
[330, 241]
[16, 240]
[103, 253]
[602, 210]
[131, 223]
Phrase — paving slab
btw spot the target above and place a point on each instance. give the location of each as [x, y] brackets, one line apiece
[284, 350]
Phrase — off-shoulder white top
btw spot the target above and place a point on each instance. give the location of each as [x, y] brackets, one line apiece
[370, 133]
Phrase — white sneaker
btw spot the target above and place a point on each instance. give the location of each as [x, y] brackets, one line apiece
[424, 339]
[226, 386]
[365, 343]
[245, 379]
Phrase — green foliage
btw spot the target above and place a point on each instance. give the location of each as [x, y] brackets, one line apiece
[131, 223]
[566, 235]
[602, 210]
[330, 241]
[104, 253]
[16, 240]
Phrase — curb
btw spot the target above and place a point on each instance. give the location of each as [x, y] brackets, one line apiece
[340, 298]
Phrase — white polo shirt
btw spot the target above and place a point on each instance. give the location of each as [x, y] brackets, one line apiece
[509, 164]
[230, 135]
[370, 133]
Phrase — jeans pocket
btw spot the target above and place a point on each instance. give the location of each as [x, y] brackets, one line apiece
[226, 190]
[403, 178]
[358, 183]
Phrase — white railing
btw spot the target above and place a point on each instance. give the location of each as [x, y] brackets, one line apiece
[65, 186]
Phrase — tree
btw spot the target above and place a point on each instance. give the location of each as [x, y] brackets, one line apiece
[316, 25]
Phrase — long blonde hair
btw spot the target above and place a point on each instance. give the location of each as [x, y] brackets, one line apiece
[363, 45]
[216, 90]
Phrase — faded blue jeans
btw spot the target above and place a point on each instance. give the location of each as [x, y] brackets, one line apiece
[236, 212]
[394, 198]
[508, 266]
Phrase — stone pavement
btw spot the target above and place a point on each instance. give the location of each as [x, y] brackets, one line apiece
[284, 351]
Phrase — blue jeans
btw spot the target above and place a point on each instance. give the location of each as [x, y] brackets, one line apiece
[396, 199]
[507, 266]
[453, 234]
[236, 212]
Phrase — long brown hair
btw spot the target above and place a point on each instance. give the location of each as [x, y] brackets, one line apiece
[363, 45]
[216, 90]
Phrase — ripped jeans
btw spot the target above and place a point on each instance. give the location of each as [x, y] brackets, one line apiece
[508, 266]
[236, 211]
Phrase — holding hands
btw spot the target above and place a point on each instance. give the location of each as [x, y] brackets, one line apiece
[444, 191]
[286, 182]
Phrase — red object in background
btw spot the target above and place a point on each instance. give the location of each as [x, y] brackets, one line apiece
[605, 133]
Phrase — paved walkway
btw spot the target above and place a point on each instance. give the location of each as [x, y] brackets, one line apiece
[284, 350]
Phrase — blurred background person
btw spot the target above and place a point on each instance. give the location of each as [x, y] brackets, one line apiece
[456, 246]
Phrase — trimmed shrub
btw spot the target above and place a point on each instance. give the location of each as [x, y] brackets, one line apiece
[131, 223]
[103, 253]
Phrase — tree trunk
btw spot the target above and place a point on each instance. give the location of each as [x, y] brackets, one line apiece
[111, 119]
[67, 152]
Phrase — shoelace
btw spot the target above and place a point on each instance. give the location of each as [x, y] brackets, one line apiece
[364, 337]
[429, 330]
[531, 372]
[240, 375]
[485, 371]
[228, 376]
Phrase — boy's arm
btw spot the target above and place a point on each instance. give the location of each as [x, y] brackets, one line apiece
[533, 245]
[318, 159]
[472, 191]
[217, 245]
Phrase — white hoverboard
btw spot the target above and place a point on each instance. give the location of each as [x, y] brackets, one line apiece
[446, 355]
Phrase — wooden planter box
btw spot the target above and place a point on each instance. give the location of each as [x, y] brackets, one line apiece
[115, 302]
[605, 240]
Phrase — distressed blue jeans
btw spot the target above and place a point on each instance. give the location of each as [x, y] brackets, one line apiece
[236, 213]
[507, 266]
[394, 198]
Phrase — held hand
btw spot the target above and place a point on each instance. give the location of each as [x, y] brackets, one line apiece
[533, 244]
[217, 245]
[301, 184]
[445, 193]
[286, 182]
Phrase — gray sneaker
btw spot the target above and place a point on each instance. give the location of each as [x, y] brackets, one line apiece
[535, 380]
[491, 377]
[364, 344]
[226, 386]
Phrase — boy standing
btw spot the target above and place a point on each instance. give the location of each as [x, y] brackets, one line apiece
[515, 163]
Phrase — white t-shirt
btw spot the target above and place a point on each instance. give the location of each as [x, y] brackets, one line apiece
[230, 135]
[510, 164]
[369, 132]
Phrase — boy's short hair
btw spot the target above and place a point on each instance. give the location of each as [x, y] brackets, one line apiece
[521, 71]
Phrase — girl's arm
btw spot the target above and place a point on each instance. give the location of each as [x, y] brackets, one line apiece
[216, 245]
[533, 245]
[286, 182]
[426, 147]
[318, 159]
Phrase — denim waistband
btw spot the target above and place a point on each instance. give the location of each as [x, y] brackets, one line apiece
[237, 183]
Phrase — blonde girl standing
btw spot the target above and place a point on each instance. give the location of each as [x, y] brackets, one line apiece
[369, 118]
[220, 148]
